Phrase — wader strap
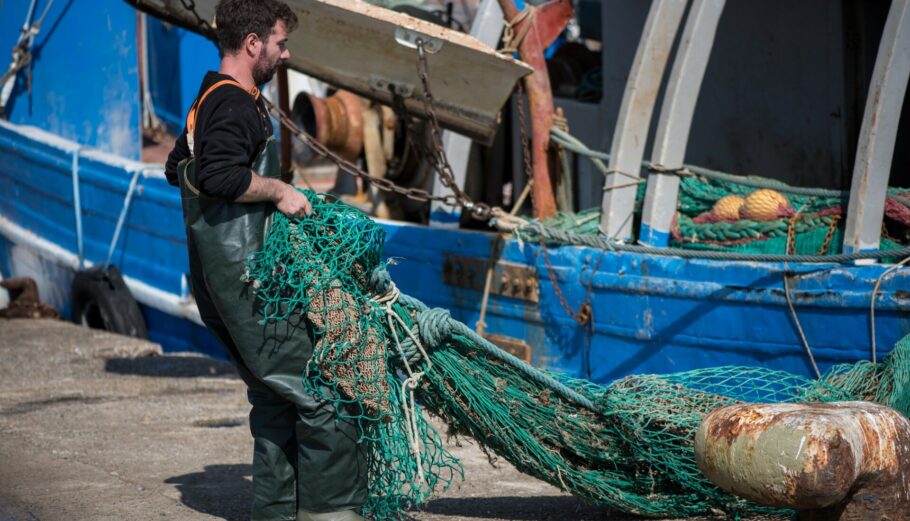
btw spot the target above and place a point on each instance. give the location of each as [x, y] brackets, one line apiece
[191, 117]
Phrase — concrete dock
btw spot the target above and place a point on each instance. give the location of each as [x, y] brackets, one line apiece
[95, 426]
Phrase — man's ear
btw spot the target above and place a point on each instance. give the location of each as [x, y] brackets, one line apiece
[252, 43]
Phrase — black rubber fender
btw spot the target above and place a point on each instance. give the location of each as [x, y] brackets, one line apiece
[101, 300]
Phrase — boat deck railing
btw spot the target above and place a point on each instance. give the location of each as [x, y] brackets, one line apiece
[874, 151]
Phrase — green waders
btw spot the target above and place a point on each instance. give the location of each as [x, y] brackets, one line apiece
[307, 463]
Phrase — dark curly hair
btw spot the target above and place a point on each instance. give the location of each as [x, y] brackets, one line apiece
[235, 19]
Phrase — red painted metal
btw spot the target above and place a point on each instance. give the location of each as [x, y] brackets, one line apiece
[547, 22]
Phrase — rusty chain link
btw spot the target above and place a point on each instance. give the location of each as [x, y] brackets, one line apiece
[202, 23]
[438, 159]
[525, 141]
[386, 185]
[835, 220]
[791, 235]
[437, 156]
[585, 311]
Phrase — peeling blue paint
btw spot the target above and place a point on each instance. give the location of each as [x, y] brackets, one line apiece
[662, 314]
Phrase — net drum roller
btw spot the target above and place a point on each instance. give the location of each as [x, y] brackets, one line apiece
[838, 461]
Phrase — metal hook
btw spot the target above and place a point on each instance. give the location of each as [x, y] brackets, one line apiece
[421, 51]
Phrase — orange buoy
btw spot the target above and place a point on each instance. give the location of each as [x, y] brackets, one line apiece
[728, 207]
[764, 205]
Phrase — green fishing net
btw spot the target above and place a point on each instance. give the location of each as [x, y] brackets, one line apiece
[389, 359]
[817, 230]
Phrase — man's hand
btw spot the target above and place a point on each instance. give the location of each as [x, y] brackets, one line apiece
[293, 203]
[288, 200]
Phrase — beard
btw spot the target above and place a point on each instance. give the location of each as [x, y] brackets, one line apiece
[265, 69]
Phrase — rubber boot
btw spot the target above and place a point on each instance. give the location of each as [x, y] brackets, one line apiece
[342, 515]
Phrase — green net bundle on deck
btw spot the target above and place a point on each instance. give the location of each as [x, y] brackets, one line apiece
[817, 220]
[818, 228]
[627, 446]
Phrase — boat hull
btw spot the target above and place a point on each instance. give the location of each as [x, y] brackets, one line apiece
[650, 314]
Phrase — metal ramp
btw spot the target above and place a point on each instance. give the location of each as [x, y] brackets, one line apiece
[371, 51]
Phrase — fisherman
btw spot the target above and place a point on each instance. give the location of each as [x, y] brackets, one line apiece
[307, 464]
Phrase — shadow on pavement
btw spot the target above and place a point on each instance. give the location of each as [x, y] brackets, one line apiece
[170, 366]
[517, 508]
[223, 491]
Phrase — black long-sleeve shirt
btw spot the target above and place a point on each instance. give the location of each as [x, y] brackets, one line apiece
[230, 129]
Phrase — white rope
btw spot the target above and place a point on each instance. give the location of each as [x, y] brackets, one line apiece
[408, 400]
[22, 56]
[122, 219]
[77, 206]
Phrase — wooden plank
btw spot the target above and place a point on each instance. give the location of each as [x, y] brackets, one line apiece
[879, 132]
[676, 119]
[634, 118]
[487, 27]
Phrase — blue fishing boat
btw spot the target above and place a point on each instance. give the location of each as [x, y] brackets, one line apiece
[633, 285]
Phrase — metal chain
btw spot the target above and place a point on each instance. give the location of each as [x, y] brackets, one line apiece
[887, 235]
[525, 141]
[438, 159]
[791, 235]
[190, 5]
[584, 311]
[830, 235]
[383, 184]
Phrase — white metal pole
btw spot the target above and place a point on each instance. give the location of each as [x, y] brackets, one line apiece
[676, 120]
[634, 119]
[879, 132]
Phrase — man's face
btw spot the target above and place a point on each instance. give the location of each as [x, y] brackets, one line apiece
[273, 53]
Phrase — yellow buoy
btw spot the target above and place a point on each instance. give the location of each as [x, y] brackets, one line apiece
[727, 207]
[764, 205]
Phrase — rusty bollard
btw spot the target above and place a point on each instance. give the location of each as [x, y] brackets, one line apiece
[831, 462]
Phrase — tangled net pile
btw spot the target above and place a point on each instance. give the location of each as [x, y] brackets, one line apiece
[818, 229]
[627, 446]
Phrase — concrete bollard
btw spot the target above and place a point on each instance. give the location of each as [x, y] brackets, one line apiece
[831, 462]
